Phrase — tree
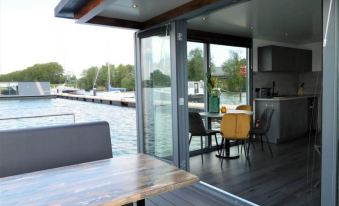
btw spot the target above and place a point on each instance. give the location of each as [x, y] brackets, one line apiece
[120, 76]
[51, 72]
[159, 79]
[87, 80]
[195, 65]
[236, 81]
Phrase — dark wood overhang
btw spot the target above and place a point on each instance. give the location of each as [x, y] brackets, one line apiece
[92, 11]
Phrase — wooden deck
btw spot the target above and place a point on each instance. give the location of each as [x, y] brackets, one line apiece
[289, 178]
[199, 194]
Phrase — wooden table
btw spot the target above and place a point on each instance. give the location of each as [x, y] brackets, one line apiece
[115, 181]
[220, 115]
[211, 116]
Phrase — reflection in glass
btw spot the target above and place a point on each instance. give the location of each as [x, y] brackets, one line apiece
[196, 84]
[156, 91]
[9, 88]
[229, 65]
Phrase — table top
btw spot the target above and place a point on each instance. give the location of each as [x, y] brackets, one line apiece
[229, 111]
[115, 181]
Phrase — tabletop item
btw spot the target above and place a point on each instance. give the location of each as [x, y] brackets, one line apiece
[114, 181]
[223, 109]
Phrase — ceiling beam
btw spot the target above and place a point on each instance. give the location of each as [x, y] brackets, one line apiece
[189, 10]
[107, 21]
[89, 10]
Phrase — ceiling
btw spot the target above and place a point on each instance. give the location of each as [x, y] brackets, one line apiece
[290, 21]
[144, 10]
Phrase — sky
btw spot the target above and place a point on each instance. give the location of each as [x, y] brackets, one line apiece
[30, 34]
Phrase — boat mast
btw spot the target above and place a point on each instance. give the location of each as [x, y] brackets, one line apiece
[95, 80]
[108, 77]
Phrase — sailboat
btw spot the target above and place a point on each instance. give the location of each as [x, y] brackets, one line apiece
[109, 87]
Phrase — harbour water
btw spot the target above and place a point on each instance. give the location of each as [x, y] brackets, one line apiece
[122, 120]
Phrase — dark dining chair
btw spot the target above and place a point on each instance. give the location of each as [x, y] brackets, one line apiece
[197, 128]
[263, 128]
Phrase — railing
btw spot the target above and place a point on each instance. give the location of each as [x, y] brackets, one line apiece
[40, 116]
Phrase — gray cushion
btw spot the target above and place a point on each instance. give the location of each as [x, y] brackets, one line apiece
[28, 150]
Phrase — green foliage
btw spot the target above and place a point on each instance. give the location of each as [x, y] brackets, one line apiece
[235, 82]
[87, 80]
[120, 76]
[158, 80]
[50, 72]
[195, 65]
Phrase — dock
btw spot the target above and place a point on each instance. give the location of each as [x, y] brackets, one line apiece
[125, 101]
[20, 97]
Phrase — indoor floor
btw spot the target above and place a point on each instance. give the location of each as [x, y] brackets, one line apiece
[290, 177]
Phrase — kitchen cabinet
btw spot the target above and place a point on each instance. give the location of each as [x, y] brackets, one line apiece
[284, 59]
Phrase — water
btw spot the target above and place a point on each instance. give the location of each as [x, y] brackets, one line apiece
[122, 120]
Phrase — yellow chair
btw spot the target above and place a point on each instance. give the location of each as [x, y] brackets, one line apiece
[244, 107]
[234, 127]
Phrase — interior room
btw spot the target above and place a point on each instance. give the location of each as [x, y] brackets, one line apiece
[277, 48]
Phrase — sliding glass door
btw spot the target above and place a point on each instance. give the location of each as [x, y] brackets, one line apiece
[157, 95]
[161, 93]
[229, 66]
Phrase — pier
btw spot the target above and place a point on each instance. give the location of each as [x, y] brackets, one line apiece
[123, 100]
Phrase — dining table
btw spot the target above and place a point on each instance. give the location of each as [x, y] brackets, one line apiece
[114, 181]
[218, 115]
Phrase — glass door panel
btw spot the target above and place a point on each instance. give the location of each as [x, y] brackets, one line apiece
[156, 96]
[229, 66]
[196, 82]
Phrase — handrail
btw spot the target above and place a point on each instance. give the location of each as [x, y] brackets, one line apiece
[40, 116]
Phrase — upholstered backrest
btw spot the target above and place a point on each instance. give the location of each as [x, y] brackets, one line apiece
[196, 125]
[244, 107]
[235, 126]
[28, 150]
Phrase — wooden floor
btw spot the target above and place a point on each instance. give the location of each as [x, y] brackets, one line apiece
[288, 178]
[196, 195]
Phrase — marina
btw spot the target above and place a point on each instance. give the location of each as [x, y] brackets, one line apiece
[119, 99]
[122, 120]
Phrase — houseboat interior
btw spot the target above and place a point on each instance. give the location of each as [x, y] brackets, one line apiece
[229, 98]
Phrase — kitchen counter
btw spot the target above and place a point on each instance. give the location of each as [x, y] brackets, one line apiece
[285, 98]
[290, 119]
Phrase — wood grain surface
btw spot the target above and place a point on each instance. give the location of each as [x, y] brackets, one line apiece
[115, 181]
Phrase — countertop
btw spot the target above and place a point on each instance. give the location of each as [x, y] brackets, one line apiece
[282, 98]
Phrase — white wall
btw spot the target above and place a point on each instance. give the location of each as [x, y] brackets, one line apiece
[316, 48]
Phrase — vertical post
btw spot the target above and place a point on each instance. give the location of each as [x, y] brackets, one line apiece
[329, 160]
[207, 69]
[180, 94]
[138, 94]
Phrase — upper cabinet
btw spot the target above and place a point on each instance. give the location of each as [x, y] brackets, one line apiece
[284, 59]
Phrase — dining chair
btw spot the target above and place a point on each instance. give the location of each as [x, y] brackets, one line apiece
[197, 128]
[263, 128]
[244, 107]
[234, 127]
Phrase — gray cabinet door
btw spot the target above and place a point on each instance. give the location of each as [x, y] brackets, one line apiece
[284, 59]
[303, 60]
